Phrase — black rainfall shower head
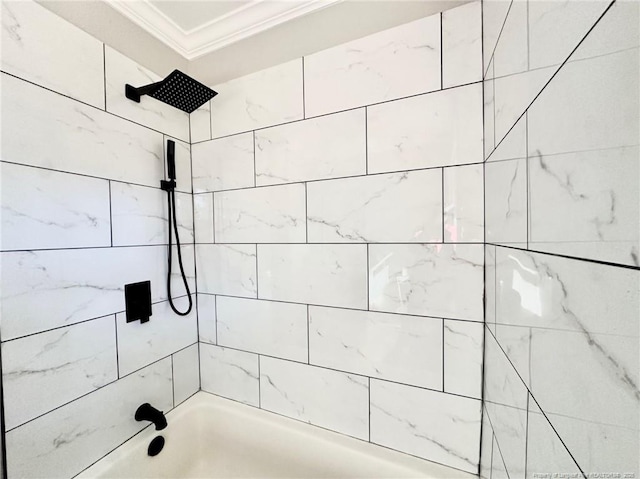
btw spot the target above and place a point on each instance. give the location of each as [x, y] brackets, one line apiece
[178, 90]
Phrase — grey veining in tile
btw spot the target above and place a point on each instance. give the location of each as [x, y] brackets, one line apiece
[230, 373]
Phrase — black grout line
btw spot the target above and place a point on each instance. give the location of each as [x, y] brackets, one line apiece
[115, 322]
[369, 404]
[341, 111]
[575, 258]
[339, 307]
[173, 384]
[344, 371]
[366, 140]
[528, 179]
[84, 103]
[304, 99]
[443, 348]
[448, 466]
[74, 248]
[306, 214]
[110, 214]
[257, 288]
[368, 281]
[308, 337]
[441, 56]
[104, 71]
[350, 243]
[443, 205]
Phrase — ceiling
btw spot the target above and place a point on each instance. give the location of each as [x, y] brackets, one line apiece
[194, 28]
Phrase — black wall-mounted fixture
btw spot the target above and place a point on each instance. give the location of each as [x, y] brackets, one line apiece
[155, 446]
[146, 412]
[137, 299]
[178, 90]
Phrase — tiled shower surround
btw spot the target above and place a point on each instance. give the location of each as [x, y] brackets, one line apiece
[363, 227]
[339, 238]
[561, 382]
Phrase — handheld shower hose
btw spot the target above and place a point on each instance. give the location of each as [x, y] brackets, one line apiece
[169, 186]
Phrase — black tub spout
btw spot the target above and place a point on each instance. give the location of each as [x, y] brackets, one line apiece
[146, 412]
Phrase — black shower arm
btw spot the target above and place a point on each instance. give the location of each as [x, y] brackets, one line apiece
[133, 93]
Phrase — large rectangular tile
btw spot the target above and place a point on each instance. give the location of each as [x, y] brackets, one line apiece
[265, 98]
[430, 424]
[186, 373]
[41, 47]
[207, 318]
[494, 14]
[406, 349]
[437, 129]
[47, 209]
[489, 117]
[427, 279]
[463, 349]
[463, 204]
[398, 207]
[140, 344]
[223, 164]
[120, 71]
[511, 54]
[139, 215]
[203, 217]
[332, 275]
[66, 363]
[265, 327]
[394, 63]
[587, 204]
[227, 269]
[318, 396]
[326, 147]
[506, 201]
[462, 45]
[230, 373]
[65, 441]
[274, 214]
[200, 123]
[47, 289]
[37, 125]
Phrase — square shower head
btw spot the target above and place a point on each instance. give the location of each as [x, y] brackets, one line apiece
[182, 92]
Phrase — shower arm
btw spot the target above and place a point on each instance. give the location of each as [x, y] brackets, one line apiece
[133, 93]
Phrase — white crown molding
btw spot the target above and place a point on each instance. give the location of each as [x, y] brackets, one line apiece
[243, 22]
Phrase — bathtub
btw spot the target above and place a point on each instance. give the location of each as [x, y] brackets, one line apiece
[212, 437]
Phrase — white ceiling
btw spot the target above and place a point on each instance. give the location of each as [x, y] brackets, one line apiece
[194, 28]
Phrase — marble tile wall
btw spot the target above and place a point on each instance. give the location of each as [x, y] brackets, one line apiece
[561, 365]
[339, 230]
[82, 215]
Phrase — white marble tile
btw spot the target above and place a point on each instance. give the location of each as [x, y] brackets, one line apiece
[462, 45]
[140, 344]
[489, 127]
[499, 470]
[207, 318]
[273, 214]
[265, 98]
[506, 201]
[397, 207]
[556, 27]
[510, 429]
[183, 164]
[41, 47]
[69, 439]
[227, 269]
[120, 71]
[576, 113]
[514, 144]
[394, 63]
[599, 447]
[512, 96]
[486, 447]
[47, 209]
[511, 54]
[427, 279]
[406, 349]
[464, 204]
[546, 454]
[332, 275]
[330, 399]
[203, 217]
[546, 291]
[589, 197]
[186, 373]
[66, 363]
[437, 129]
[494, 14]
[200, 123]
[223, 164]
[37, 125]
[230, 373]
[265, 327]
[463, 349]
[516, 343]
[436, 426]
[330, 146]
[139, 216]
[47, 289]
[490, 286]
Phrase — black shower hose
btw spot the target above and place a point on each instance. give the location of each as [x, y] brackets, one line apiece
[171, 202]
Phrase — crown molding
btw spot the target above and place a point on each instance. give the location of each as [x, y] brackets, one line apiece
[243, 22]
